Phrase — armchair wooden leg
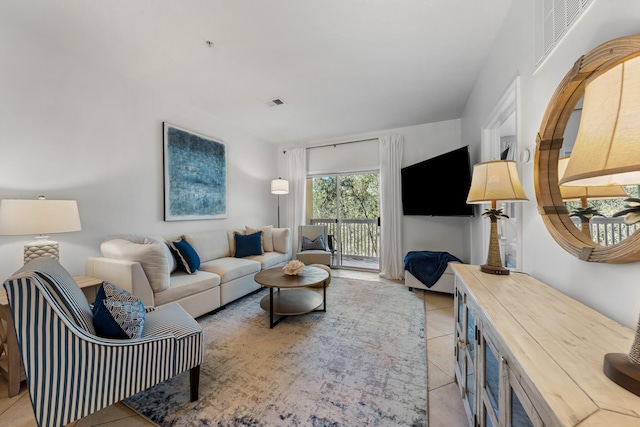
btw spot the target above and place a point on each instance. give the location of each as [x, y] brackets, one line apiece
[194, 381]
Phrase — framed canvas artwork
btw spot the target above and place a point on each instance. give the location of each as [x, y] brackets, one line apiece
[195, 175]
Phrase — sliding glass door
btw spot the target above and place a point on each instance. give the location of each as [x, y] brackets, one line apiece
[349, 205]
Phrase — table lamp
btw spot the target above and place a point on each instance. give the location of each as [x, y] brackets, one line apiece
[279, 186]
[586, 193]
[23, 217]
[492, 182]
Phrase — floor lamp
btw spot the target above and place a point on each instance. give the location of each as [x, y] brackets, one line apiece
[279, 186]
[491, 182]
[606, 154]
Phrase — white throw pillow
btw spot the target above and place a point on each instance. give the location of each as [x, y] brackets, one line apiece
[150, 252]
[281, 240]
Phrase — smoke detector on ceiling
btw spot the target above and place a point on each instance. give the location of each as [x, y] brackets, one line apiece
[275, 102]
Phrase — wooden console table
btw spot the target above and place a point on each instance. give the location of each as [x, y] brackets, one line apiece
[10, 364]
[527, 355]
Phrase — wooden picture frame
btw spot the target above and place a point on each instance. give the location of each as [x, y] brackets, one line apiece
[195, 175]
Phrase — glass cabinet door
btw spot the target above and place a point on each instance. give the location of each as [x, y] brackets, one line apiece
[519, 417]
[471, 354]
[458, 353]
[491, 386]
[520, 412]
[465, 353]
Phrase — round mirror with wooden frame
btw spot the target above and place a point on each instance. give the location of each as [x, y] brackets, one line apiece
[549, 141]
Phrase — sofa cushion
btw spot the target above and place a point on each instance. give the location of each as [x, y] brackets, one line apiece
[230, 268]
[314, 257]
[266, 238]
[184, 285]
[209, 244]
[186, 256]
[248, 245]
[152, 253]
[269, 259]
[117, 313]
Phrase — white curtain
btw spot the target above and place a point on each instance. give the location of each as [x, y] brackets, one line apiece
[296, 159]
[391, 257]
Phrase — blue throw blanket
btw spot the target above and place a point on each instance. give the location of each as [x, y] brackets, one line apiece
[427, 266]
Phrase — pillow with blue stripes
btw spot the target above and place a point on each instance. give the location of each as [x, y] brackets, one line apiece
[117, 313]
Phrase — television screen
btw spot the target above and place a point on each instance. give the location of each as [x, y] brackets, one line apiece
[438, 186]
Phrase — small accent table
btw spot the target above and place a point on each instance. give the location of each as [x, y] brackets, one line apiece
[290, 299]
[10, 364]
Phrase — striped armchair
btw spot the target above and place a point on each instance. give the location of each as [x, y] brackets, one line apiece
[70, 371]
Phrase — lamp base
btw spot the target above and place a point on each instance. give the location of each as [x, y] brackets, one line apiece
[497, 270]
[622, 371]
[39, 248]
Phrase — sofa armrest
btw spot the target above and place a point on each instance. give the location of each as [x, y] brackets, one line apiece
[127, 275]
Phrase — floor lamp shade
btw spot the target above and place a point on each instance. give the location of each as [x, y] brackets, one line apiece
[606, 148]
[39, 217]
[279, 186]
[491, 182]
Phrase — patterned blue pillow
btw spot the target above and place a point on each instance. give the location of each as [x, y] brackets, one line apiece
[317, 244]
[117, 313]
[249, 244]
[187, 257]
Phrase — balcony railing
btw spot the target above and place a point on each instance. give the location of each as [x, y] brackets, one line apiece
[356, 238]
[608, 231]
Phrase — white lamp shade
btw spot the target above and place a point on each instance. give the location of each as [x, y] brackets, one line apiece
[607, 148]
[495, 181]
[280, 186]
[29, 217]
[574, 192]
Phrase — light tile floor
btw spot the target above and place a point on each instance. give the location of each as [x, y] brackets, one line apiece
[445, 404]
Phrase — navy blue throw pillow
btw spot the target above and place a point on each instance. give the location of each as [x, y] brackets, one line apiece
[117, 313]
[248, 244]
[186, 256]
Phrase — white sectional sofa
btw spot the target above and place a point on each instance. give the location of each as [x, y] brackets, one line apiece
[145, 266]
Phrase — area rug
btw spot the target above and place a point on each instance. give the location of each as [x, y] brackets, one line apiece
[362, 363]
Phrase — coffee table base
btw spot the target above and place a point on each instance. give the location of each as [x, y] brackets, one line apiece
[292, 302]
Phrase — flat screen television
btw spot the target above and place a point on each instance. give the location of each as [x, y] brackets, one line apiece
[438, 186]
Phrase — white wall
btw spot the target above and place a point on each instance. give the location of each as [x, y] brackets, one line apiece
[73, 129]
[421, 142]
[614, 290]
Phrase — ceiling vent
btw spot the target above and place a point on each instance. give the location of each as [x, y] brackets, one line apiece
[553, 19]
[275, 102]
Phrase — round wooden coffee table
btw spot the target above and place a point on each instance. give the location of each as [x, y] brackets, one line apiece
[290, 299]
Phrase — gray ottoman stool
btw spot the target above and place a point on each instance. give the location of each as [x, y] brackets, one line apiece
[325, 268]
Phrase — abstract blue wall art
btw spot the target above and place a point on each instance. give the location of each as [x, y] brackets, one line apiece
[195, 176]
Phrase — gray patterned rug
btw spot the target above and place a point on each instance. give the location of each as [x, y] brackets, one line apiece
[363, 363]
